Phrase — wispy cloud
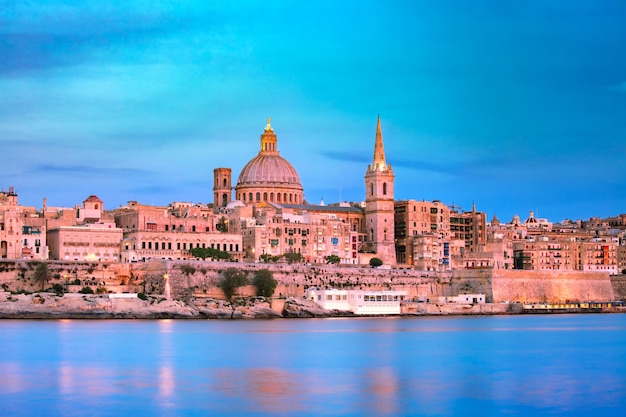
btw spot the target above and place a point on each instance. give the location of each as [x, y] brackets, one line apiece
[66, 36]
[85, 171]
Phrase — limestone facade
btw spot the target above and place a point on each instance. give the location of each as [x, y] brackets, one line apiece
[159, 232]
[22, 230]
[379, 203]
[94, 242]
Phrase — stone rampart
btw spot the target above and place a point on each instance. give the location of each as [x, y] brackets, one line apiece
[550, 286]
[618, 282]
[201, 278]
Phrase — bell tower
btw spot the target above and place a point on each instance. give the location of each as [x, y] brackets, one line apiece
[222, 187]
[379, 202]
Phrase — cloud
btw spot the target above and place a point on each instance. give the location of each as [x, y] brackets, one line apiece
[84, 171]
[44, 38]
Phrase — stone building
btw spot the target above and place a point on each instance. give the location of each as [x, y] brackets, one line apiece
[22, 229]
[159, 232]
[569, 253]
[92, 242]
[82, 233]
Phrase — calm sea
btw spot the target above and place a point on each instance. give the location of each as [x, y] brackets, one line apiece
[501, 365]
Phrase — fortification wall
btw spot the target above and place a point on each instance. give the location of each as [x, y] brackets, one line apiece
[471, 281]
[551, 286]
[618, 282]
[199, 278]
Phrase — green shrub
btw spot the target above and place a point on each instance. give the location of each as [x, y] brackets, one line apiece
[86, 290]
[375, 262]
[142, 296]
[58, 289]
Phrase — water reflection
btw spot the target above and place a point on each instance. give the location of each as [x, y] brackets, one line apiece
[334, 367]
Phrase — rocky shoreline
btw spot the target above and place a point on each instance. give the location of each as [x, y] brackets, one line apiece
[88, 306]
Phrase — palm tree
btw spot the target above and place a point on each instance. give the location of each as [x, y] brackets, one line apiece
[222, 224]
[42, 274]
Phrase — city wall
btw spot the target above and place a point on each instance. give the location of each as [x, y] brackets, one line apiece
[551, 287]
[200, 279]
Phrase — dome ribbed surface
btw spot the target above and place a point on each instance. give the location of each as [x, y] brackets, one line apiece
[267, 169]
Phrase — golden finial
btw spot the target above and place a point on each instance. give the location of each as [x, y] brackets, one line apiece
[269, 126]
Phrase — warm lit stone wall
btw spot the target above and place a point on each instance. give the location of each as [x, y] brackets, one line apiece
[544, 286]
[618, 282]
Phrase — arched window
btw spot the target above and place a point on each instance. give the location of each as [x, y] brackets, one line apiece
[384, 188]
[250, 197]
[264, 196]
[371, 188]
[385, 235]
[96, 206]
[224, 182]
[291, 198]
[371, 235]
[272, 197]
[243, 197]
[258, 197]
[285, 197]
[278, 197]
[224, 199]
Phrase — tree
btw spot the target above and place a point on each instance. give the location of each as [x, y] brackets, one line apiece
[264, 282]
[333, 259]
[58, 290]
[232, 279]
[292, 257]
[265, 258]
[222, 225]
[212, 253]
[375, 262]
[42, 274]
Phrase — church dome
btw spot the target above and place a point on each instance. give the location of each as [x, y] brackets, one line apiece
[269, 169]
[268, 176]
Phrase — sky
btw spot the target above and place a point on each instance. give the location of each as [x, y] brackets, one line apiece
[514, 106]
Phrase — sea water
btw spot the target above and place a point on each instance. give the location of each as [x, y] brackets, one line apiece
[437, 366]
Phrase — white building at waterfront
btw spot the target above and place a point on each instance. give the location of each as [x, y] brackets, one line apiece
[358, 301]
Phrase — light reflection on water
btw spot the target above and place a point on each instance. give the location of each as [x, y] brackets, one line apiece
[540, 365]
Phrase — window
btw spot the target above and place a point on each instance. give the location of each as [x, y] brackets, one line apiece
[258, 197]
[371, 188]
[384, 188]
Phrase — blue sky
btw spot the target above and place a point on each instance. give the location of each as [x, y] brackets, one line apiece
[516, 105]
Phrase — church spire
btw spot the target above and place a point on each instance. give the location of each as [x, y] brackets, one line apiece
[379, 164]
